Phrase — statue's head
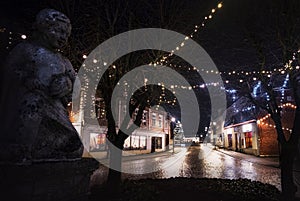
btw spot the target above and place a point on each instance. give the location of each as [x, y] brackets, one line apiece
[53, 28]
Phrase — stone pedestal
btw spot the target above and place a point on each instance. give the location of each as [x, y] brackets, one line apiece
[48, 180]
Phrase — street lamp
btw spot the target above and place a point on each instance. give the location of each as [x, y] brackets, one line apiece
[173, 120]
[214, 133]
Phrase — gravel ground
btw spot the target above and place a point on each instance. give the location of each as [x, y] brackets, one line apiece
[183, 189]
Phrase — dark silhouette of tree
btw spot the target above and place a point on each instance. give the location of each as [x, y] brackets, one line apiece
[277, 37]
[96, 21]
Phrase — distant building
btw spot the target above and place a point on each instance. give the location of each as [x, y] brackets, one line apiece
[153, 134]
[250, 130]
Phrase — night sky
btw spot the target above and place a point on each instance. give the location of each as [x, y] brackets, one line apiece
[225, 37]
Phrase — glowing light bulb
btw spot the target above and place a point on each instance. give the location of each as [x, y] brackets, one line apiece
[220, 5]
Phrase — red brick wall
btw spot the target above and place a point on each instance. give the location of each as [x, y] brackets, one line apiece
[268, 135]
[268, 141]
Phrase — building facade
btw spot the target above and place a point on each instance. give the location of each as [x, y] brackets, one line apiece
[253, 134]
[153, 134]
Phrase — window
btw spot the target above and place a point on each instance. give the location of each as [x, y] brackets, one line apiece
[144, 119]
[158, 143]
[97, 142]
[248, 139]
[143, 142]
[160, 119]
[135, 143]
[153, 119]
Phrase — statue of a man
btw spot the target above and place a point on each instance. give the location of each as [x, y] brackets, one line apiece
[37, 86]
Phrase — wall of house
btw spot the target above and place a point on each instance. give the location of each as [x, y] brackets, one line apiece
[242, 138]
[268, 141]
[264, 135]
[268, 134]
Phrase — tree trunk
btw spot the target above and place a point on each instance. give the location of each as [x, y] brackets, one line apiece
[287, 156]
[115, 153]
[115, 166]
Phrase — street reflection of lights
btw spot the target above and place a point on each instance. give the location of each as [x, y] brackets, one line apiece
[248, 170]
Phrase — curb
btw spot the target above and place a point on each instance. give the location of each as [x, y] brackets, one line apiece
[241, 158]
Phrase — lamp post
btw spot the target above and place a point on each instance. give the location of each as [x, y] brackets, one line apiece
[172, 130]
[214, 133]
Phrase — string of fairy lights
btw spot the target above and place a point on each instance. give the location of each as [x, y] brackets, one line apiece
[262, 120]
[163, 60]
[12, 36]
[237, 75]
[162, 98]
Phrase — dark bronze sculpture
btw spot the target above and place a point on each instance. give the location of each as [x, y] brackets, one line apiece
[37, 86]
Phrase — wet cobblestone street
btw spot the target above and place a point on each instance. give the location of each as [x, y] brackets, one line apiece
[196, 162]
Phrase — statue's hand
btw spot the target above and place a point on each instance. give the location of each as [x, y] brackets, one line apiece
[60, 86]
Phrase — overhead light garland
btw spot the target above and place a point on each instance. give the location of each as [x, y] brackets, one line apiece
[197, 27]
[286, 105]
[12, 37]
[162, 98]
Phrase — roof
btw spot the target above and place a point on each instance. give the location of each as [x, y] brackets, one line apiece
[243, 110]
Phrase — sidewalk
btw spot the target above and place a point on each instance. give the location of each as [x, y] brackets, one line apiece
[136, 155]
[266, 161]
